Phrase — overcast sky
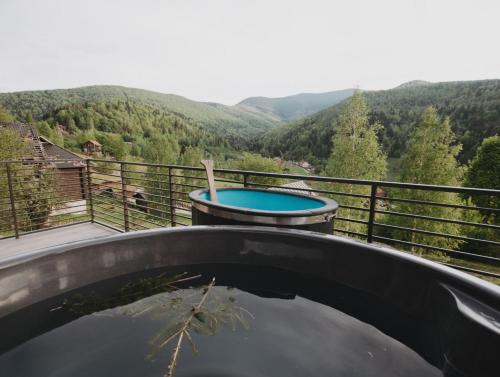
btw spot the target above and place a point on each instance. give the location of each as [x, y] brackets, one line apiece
[226, 50]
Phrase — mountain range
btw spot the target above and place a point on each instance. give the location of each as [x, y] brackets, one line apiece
[248, 118]
[298, 127]
[472, 106]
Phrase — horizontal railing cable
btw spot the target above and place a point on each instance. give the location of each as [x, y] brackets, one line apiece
[134, 195]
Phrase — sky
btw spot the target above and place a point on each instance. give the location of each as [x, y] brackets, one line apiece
[227, 50]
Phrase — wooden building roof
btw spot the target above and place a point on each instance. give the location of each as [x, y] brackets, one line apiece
[42, 149]
[297, 187]
[96, 143]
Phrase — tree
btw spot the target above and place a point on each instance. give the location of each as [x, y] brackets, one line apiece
[54, 135]
[429, 159]
[255, 162]
[161, 149]
[113, 144]
[191, 157]
[44, 129]
[12, 147]
[71, 125]
[5, 116]
[88, 124]
[33, 185]
[357, 154]
[57, 137]
[484, 172]
[29, 118]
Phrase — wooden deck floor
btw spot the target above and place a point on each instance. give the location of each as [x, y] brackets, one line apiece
[40, 240]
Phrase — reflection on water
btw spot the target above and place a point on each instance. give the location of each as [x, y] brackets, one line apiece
[252, 332]
[200, 310]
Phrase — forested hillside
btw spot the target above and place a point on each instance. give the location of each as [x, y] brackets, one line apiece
[296, 106]
[142, 126]
[238, 122]
[473, 108]
[139, 117]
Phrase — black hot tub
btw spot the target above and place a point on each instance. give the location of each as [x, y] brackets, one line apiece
[284, 303]
[245, 206]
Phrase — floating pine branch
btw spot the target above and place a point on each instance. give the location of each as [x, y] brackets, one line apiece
[84, 304]
[161, 299]
[195, 313]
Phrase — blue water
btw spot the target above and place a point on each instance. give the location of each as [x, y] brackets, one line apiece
[264, 200]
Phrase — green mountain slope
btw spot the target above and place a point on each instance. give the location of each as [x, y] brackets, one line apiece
[473, 107]
[413, 83]
[296, 106]
[224, 120]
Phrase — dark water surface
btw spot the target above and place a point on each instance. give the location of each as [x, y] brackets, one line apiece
[254, 322]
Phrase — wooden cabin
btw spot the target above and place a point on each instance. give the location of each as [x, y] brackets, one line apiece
[92, 147]
[70, 168]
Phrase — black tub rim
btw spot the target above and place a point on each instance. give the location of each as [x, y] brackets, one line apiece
[404, 257]
[309, 216]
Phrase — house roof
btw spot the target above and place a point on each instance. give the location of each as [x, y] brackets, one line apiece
[24, 130]
[57, 153]
[42, 149]
[297, 187]
[93, 142]
[30, 136]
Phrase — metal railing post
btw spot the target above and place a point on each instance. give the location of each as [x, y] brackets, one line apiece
[245, 180]
[89, 192]
[124, 198]
[171, 198]
[12, 202]
[371, 216]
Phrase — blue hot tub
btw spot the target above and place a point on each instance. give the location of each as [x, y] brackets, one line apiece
[245, 206]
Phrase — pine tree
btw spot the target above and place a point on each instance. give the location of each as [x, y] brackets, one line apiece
[356, 153]
[429, 159]
[484, 172]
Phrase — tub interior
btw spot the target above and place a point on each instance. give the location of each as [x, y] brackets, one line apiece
[264, 200]
[282, 324]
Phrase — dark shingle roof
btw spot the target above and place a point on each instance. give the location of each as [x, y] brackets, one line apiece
[42, 148]
[56, 152]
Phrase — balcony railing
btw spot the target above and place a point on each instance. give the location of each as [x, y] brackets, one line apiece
[128, 196]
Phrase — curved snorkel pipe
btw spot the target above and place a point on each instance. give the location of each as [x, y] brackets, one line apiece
[209, 168]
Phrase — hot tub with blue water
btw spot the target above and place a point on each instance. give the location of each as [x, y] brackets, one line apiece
[246, 206]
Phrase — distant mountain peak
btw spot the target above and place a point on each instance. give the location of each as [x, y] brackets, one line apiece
[413, 83]
[295, 106]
